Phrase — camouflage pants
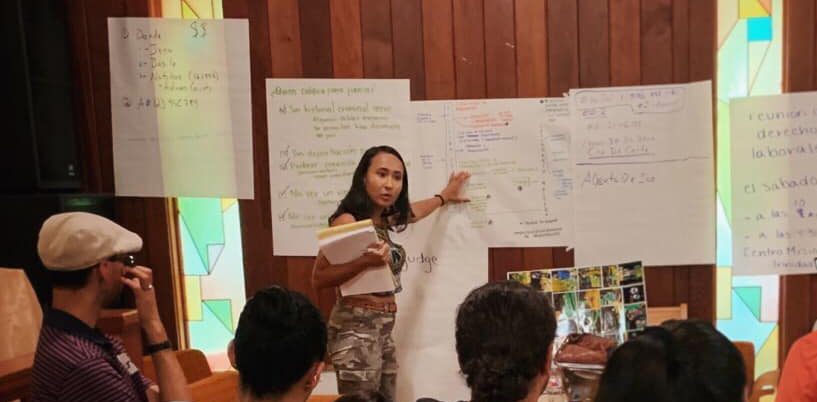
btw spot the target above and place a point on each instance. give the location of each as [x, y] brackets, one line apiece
[362, 350]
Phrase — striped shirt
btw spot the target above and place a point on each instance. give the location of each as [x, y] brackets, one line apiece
[75, 362]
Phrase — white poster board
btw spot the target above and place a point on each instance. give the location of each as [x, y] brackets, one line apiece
[774, 184]
[644, 174]
[318, 130]
[517, 151]
[180, 107]
[445, 261]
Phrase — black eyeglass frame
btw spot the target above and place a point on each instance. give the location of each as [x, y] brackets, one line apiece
[128, 260]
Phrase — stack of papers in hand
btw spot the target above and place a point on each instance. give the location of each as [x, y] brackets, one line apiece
[345, 243]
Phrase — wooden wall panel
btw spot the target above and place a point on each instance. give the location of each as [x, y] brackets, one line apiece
[316, 38]
[594, 49]
[798, 293]
[563, 46]
[347, 52]
[531, 48]
[656, 42]
[376, 28]
[407, 30]
[500, 49]
[284, 39]
[438, 39]
[625, 42]
[469, 49]
[703, 19]
[680, 40]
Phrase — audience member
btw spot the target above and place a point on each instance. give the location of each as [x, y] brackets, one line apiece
[279, 347]
[89, 261]
[680, 361]
[798, 381]
[363, 396]
[504, 333]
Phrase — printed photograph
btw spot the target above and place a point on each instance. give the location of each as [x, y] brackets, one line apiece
[522, 277]
[590, 299]
[589, 321]
[612, 276]
[631, 273]
[634, 294]
[610, 297]
[564, 280]
[635, 316]
[611, 319]
[590, 278]
[566, 303]
[540, 280]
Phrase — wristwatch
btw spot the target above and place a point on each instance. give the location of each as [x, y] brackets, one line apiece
[158, 347]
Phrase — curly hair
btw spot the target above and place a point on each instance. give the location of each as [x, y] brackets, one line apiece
[680, 361]
[357, 201]
[504, 332]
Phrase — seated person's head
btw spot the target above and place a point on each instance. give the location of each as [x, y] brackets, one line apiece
[84, 252]
[504, 335]
[279, 345]
[362, 396]
[680, 361]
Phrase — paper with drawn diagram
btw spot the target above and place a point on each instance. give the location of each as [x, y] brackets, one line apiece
[180, 107]
[643, 174]
[318, 130]
[518, 154]
[774, 184]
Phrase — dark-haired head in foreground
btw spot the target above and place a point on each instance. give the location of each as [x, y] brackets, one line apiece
[504, 335]
[279, 346]
[363, 396]
[680, 361]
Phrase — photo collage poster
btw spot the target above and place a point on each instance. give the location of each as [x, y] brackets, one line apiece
[607, 300]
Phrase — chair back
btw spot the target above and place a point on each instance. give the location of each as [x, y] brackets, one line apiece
[657, 315]
[193, 362]
[20, 315]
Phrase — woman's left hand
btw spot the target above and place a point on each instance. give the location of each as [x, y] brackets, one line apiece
[452, 191]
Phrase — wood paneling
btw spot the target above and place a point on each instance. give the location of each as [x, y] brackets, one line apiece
[469, 49]
[656, 42]
[563, 46]
[407, 35]
[500, 49]
[625, 42]
[347, 53]
[375, 18]
[798, 293]
[531, 48]
[438, 40]
[594, 44]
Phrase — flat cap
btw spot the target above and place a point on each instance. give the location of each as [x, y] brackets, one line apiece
[73, 241]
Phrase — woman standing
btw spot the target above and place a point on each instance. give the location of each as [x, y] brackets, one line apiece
[360, 342]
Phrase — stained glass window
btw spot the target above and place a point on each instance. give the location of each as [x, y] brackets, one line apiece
[750, 39]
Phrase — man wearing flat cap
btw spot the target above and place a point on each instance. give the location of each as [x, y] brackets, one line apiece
[89, 259]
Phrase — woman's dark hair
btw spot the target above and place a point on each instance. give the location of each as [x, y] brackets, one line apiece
[280, 336]
[680, 361]
[362, 396]
[358, 203]
[504, 331]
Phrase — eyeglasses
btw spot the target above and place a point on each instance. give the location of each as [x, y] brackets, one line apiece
[126, 259]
